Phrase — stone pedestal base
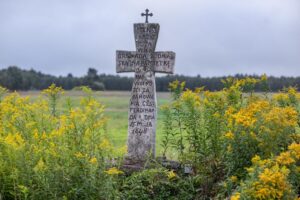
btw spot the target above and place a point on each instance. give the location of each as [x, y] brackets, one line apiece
[131, 165]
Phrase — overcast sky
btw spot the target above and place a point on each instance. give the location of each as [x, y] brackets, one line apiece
[210, 37]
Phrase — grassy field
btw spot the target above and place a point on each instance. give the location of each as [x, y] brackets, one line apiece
[116, 103]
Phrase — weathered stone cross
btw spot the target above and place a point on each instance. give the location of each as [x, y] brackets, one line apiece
[147, 14]
[142, 108]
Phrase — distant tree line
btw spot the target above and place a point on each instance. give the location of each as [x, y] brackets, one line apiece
[14, 78]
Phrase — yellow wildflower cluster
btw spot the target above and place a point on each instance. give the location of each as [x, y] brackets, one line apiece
[264, 77]
[79, 155]
[291, 156]
[294, 150]
[191, 97]
[284, 117]
[229, 135]
[235, 196]
[269, 177]
[272, 183]
[93, 160]
[214, 100]
[285, 158]
[53, 90]
[171, 174]
[233, 179]
[281, 97]
[34, 141]
[176, 85]
[105, 144]
[256, 160]
[264, 122]
[113, 171]
[289, 97]
[247, 81]
[247, 116]
[15, 140]
[246, 84]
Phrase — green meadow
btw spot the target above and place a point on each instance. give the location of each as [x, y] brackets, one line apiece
[116, 109]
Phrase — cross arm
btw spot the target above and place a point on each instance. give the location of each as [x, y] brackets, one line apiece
[125, 61]
[164, 62]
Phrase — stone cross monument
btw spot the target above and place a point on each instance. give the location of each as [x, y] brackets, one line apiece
[145, 62]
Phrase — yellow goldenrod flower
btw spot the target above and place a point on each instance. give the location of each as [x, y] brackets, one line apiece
[93, 160]
[229, 135]
[250, 169]
[113, 171]
[247, 116]
[294, 148]
[233, 179]
[285, 117]
[285, 158]
[44, 135]
[19, 139]
[35, 134]
[264, 77]
[52, 90]
[105, 144]
[292, 91]
[79, 155]
[235, 196]
[191, 97]
[9, 139]
[171, 174]
[174, 85]
[272, 183]
[15, 140]
[255, 159]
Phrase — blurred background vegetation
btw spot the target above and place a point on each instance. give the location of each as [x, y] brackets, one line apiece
[15, 78]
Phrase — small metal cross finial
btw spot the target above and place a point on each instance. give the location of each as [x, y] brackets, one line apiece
[147, 14]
